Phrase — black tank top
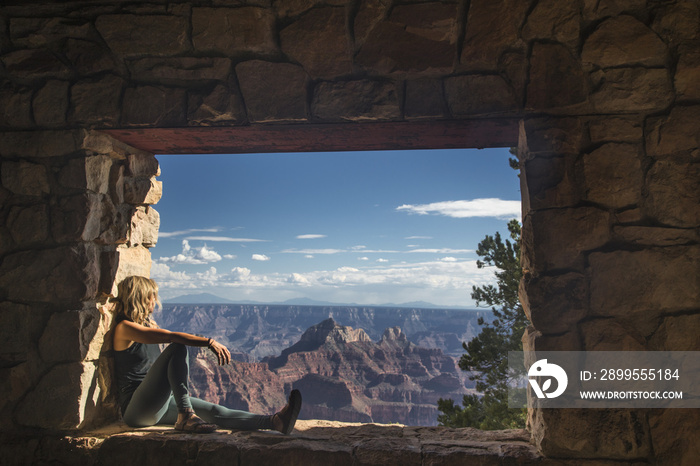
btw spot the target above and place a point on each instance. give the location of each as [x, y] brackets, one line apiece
[130, 367]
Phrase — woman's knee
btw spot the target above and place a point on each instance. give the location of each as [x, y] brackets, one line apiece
[177, 350]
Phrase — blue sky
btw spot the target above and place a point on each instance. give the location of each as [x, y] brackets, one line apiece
[347, 227]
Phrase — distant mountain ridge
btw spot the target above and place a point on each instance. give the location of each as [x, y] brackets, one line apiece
[256, 331]
[208, 298]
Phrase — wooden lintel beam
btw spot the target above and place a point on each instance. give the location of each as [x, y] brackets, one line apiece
[445, 134]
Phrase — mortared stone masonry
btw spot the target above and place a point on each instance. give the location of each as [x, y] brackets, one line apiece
[602, 99]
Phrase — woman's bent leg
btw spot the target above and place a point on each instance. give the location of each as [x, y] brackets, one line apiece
[167, 376]
[230, 418]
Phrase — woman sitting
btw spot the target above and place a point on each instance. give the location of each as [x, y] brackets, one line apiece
[153, 385]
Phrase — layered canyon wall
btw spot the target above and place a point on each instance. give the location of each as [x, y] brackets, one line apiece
[343, 376]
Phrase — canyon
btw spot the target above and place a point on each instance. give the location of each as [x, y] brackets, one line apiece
[343, 375]
[255, 331]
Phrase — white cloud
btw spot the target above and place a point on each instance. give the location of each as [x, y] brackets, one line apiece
[260, 257]
[227, 239]
[363, 258]
[382, 260]
[230, 256]
[311, 236]
[298, 278]
[170, 234]
[418, 237]
[490, 207]
[313, 251]
[240, 274]
[441, 251]
[309, 256]
[445, 281]
[162, 273]
[190, 255]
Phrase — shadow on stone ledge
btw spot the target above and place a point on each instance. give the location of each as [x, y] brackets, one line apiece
[313, 443]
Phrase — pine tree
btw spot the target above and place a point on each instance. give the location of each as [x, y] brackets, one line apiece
[487, 354]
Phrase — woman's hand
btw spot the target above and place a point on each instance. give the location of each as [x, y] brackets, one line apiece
[222, 353]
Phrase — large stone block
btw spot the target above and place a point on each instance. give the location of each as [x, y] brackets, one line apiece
[687, 76]
[479, 95]
[673, 193]
[639, 287]
[25, 178]
[415, 38]
[551, 135]
[678, 21]
[15, 106]
[144, 227]
[624, 41]
[61, 400]
[69, 336]
[97, 102]
[142, 164]
[369, 14]
[88, 57]
[607, 334]
[674, 437]
[424, 99]
[76, 218]
[493, 27]
[139, 191]
[273, 91]
[656, 236]
[90, 173]
[356, 101]
[180, 70]
[560, 238]
[613, 175]
[39, 32]
[219, 106]
[550, 182]
[616, 129]
[555, 304]
[318, 41]
[66, 274]
[561, 86]
[132, 261]
[675, 134]
[677, 333]
[28, 225]
[556, 21]
[599, 9]
[50, 104]
[15, 333]
[154, 106]
[625, 90]
[613, 434]
[291, 8]
[134, 35]
[233, 31]
[38, 144]
[34, 64]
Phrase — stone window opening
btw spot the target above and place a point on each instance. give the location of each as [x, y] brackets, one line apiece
[188, 182]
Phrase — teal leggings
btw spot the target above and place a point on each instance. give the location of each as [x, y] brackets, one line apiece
[164, 392]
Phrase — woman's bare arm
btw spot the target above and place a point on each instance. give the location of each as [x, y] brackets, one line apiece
[127, 331]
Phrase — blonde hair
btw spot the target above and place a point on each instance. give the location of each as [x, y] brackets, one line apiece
[134, 299]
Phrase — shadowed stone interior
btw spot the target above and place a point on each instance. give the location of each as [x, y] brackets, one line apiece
[602, 99]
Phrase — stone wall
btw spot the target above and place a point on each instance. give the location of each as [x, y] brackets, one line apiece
[76, 220]
[606, 92]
